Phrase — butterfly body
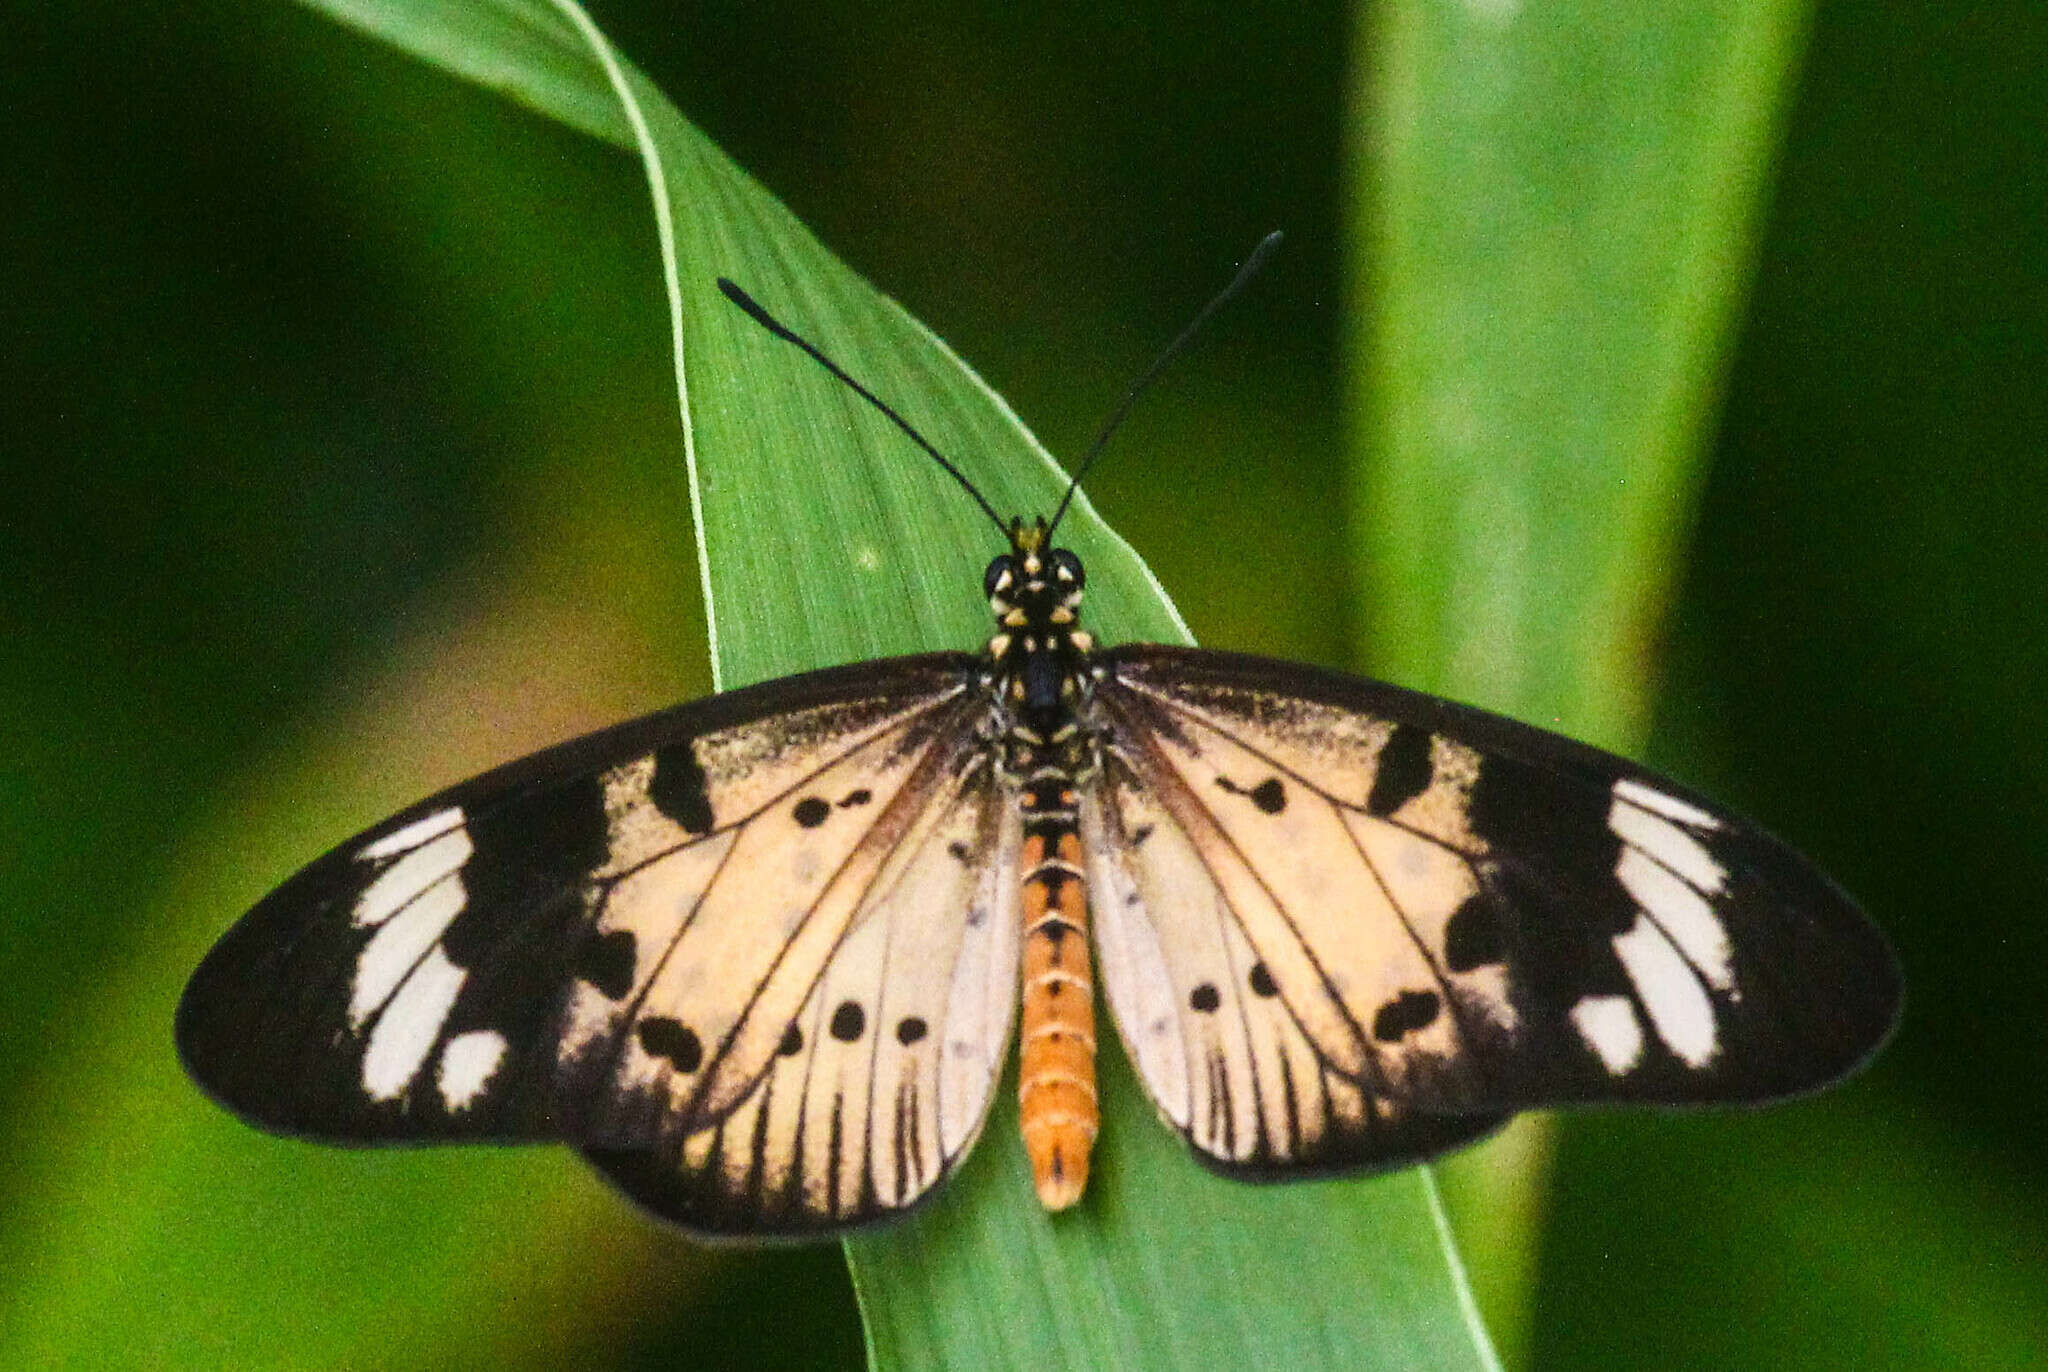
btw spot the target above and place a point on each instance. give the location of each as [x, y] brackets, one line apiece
[1041, 687]
[760, 957]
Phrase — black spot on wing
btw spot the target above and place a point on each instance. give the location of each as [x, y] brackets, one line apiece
[607, 961]
[1404, 1014]
[1262, 982]
[677, 787]
[1403, 770]
[1551, 827]
[849, 1022]
[810, 812]
[529, 843]
[853, 798]
[1269, 795]
[1472, 936]
[910, 1029]
[792, 1042]
[1204, 998]
[672, 1039]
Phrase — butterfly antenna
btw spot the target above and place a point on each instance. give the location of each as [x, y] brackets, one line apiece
[760, 316]
[1244, 275]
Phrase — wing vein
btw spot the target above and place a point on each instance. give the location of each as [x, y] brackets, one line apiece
[907, 796]
[1165, 772]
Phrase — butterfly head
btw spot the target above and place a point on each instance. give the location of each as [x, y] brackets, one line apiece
[1034, 588]
[1034, 591]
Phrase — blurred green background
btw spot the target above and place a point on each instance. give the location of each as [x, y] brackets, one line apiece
[311, 356]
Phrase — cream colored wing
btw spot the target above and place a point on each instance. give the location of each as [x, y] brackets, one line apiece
[756, 956]
[1203, 1017]
[1307, 878]
[881, 1055]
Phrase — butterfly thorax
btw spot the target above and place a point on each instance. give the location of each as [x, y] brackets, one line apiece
[1039, 656]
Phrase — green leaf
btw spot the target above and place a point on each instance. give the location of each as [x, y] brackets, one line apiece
[1560, 208]
[825, 538]
[1557, 212]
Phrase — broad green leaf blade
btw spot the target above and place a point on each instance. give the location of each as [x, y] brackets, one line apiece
[1186, 1266]
[1555, 232]
[1171, 1265]
[825, 538]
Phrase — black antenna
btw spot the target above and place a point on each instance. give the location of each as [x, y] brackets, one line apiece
[1237, 283]
[772, 325]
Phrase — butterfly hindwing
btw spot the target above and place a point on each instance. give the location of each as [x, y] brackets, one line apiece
[615, 941]
[882, 1078]
[1460, 915]
[1203, 1018]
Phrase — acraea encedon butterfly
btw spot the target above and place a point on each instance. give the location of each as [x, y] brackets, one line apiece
[759, 957]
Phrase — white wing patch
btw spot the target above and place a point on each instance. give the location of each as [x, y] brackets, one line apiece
[410, 836]
[1609, 1027]
[1664, 842]
[1686, 915]
[468, 1062]
[1671, 991]
[394, 951]
[1647, 797]
[413, 875]
[406, 1031]
[400, 977]
[1678, 947]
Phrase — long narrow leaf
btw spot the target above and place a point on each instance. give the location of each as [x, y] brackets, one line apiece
[1557, 211]
[825, 538]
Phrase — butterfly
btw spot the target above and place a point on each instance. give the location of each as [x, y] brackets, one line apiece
[760, 958]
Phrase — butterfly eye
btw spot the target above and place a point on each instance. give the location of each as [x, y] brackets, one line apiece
[998, 576]
[1066, 569]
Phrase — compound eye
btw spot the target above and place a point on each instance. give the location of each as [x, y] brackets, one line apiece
[1066, 569]
[998, 576]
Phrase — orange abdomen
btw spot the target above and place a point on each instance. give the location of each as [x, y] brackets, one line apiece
[1056, 1059]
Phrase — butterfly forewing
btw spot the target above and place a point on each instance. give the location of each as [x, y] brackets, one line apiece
[1454, 913]
[651, 939]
